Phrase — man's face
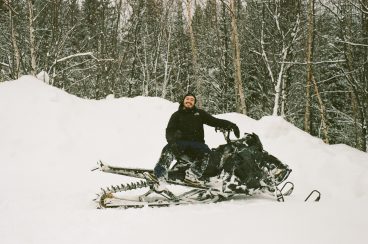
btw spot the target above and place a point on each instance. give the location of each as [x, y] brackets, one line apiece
[189, 102]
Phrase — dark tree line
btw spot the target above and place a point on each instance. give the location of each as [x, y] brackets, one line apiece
[305, 60]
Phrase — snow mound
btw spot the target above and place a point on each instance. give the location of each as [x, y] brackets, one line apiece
[50, 140]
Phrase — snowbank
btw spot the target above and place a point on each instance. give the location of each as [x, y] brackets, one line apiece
[50, 140]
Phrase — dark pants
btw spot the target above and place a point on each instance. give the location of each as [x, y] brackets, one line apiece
[198, 153]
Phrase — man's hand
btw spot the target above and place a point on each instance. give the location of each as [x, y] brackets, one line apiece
[235, 129]
[231, 126]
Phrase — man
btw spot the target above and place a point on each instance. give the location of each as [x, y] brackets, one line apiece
[185, 135]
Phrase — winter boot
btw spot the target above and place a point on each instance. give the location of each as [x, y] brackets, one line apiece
[158, 184]
[191, 177]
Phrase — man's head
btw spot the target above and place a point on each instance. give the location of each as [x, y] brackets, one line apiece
[189, 101]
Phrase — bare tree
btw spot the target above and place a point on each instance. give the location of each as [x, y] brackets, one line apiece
[288, 36]
[311, 79]
[358, 95]
[364, 10]
[15, 69]
[32, 42]
[239, 91]
[322, 111]
[309, 60]
[197, 81]
[352, 68]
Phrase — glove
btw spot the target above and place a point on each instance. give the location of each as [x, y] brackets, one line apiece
[231, 126]
[235, 129]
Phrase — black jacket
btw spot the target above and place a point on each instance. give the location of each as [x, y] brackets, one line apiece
[188, 125]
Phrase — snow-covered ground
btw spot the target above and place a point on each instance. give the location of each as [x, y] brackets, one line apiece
[49, 141]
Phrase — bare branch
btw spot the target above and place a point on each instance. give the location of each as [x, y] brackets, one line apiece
[79, 55]
[44, 7]
[8, 4]
[319, 62]
[327, 7]
[90, 54]
[4, 64]
[353, 44]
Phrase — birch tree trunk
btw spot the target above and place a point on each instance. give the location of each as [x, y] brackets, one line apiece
[239, 92]
[309, 55]
[145, 69]
[347, 36]
[364, 7]
[32, 44]
[219, 54]
[311, 80]
[291, 11]
[280, 81]
[283, 97]
[225, 59]
[15, 68]
[167, 68]
[197, 81]
[322, 111]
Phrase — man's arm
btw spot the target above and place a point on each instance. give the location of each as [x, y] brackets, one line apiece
[172, 130]
[173, 134]
[221, 123]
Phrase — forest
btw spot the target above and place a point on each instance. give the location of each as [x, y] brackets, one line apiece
[304, 60]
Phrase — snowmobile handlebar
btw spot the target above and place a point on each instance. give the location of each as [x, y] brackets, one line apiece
[225, 132]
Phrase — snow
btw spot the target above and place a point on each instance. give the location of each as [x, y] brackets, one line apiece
[44, 76]
[50, 140]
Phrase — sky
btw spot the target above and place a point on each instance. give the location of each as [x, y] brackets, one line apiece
[50, 140]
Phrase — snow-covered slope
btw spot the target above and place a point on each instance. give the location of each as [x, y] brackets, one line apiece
[49, 141]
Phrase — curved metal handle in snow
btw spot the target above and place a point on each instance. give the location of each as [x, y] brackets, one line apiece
[317, 198]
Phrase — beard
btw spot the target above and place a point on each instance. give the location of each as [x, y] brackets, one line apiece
[188, 105]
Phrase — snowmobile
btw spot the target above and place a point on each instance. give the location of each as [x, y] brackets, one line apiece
[240, 168]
